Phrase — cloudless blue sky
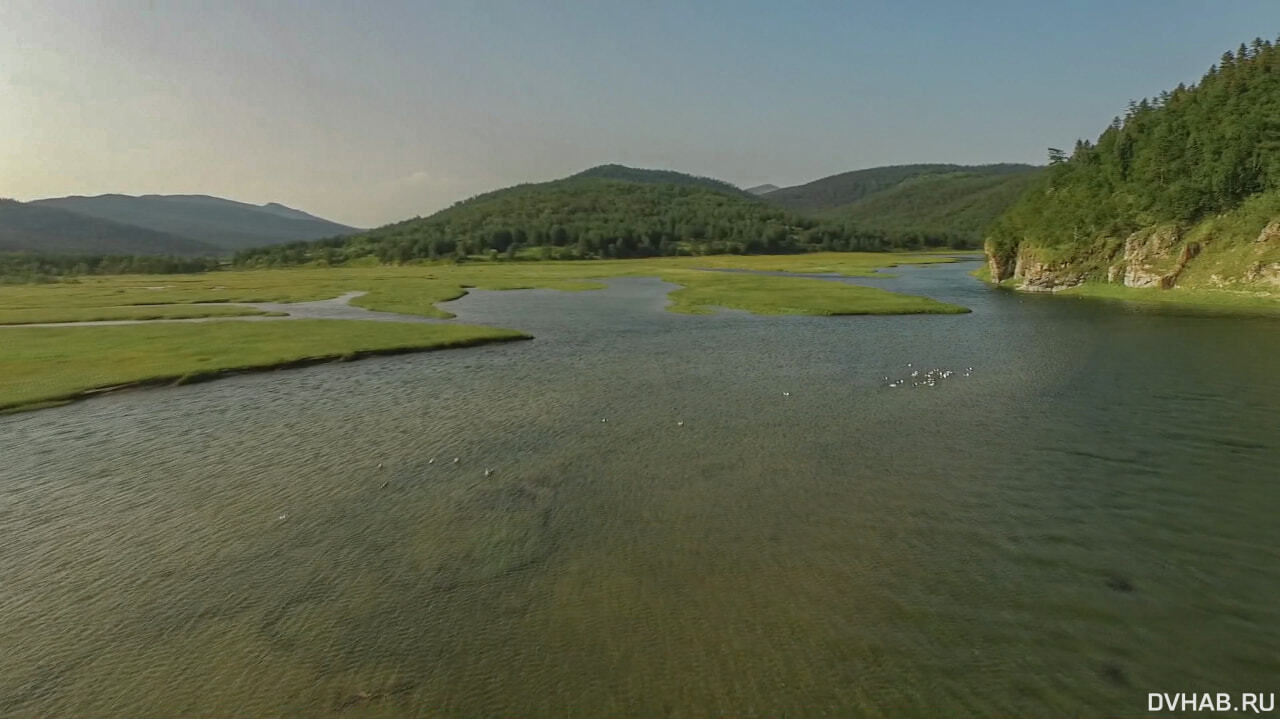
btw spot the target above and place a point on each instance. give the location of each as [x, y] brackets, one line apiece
[372, 112]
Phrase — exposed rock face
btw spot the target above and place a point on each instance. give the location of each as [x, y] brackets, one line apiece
[1152, 257]
[1147, 259]
[1263, 273]
[1040, 276]
[997, 266]
[1270, 233]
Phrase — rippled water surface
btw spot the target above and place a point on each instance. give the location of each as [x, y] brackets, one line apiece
[1093, 514]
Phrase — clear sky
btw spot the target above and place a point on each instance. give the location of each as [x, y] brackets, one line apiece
[369, 112]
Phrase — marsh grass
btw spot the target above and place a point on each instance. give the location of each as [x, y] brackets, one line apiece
[39, 365]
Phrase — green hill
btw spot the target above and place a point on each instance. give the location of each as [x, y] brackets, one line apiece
[666, 177]
[1184, 190]
[845, 188]
[955, 208]
[36, 228]
[610, 211]
[223, 223]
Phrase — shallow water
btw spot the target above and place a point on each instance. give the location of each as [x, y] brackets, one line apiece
[1092, 515]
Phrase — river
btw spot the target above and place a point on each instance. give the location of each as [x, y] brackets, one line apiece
[681, 515]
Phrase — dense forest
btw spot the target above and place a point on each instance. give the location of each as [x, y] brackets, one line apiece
[20, 267]
[955, 208]
[836, 191]
[606, 212]
[1195, 167]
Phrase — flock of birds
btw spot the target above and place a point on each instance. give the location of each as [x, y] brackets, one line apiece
[929, 378]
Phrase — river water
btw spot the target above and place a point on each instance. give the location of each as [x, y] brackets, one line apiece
[1092, 514]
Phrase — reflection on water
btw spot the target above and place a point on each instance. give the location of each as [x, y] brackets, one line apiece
[1090, 516]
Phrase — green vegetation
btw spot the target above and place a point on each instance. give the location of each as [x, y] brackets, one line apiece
[48, 364]
[40, 365]
[23, 267]
[221, 226]
[1230, 302]
[1183, 191]
[846, 188]
[955, 209]
[771, 295]
[603, 213]
[43, 315]
[27, 227]
[665, 177]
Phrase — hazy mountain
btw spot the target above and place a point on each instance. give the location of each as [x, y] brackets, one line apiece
[28, 227]
[848, 187]
[226, 224]
[762, 189]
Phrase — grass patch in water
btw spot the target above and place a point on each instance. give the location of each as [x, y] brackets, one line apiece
[40, 365]
[417, 289]
[772, 295]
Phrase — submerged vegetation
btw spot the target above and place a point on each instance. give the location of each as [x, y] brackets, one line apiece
[1184, 190]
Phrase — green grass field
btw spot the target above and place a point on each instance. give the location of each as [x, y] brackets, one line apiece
[40, 365]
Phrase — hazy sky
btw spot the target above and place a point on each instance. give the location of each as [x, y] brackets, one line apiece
[368, 112]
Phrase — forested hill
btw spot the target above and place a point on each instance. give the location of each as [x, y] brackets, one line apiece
[954, 208]
[663, 177]
[848, 187]
[32, 228]
[588, 216]
[1184, 190]
[226, 224]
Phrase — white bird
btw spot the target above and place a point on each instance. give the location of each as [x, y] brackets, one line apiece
[431, 461]
[604, 420]
[908, 364]
[379, 465]
[786, 394]
[455, 460]
[282, 517]
[680, 423]
[488, 472]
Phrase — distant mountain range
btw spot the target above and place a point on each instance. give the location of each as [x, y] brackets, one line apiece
[154, 224]
[609, 210]
[26, 227]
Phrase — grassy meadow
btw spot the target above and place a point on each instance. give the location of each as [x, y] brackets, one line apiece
[40, 365]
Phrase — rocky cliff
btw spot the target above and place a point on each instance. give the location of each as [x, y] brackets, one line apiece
[1159, 257]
